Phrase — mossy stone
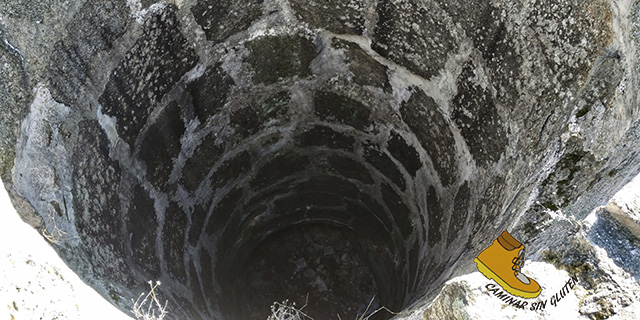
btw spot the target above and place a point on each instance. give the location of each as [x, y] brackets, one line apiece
[197, 167]
[384, 164]
[414, 35]
[341, 17]
[280, 58]
[331, 106]
[97, 26]
[422, 115]
[209, 92]
[255, 117]
[114, 295]
[220, 19]
[14, 97]
[475, 112]
[161, 145]
[366, 70]
[148, 71]
[173, 231]
[142, 225]
[403, 152]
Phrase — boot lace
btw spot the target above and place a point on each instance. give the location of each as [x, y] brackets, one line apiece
[518, 262]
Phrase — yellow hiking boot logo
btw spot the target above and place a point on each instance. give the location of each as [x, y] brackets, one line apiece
[502, 262]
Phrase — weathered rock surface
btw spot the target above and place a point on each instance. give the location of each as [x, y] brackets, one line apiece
[625, 207]
[35, 283]
[167, 139]
[472, 296]
[594, 275]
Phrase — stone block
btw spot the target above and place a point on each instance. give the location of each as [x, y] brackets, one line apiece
[384, 164]
[209, 92]
[197, 167]
[422, 115]
[223, 211]
[399, 210]
[458, 219]
[350, 168]
[220, 19]
[146, 73]
[476, 115]
[198, 216]
[330, 106]
[326, 137]
[142, 225]
[279, 167]
[342, 17]
[280, 58]
[436, 217]
[255, 117]
[414, 35]
[231, 169]
[404, 153]
[161, 145]
[96, 27]
[173, 234]
[330, 184]
[366, 70]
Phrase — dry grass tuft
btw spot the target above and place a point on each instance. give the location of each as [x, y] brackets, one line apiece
[150, 307]
[288, 311]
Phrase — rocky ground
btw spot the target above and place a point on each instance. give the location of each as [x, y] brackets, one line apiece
[603, 256]
[467, 297]
[594, 275]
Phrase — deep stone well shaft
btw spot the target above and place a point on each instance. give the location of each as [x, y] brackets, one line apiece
[183, 141]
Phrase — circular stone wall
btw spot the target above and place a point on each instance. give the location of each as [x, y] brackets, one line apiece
[244, 152]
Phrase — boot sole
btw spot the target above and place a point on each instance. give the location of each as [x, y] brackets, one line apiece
[492, 276]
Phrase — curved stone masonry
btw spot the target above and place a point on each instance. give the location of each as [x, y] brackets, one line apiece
[168, 140]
